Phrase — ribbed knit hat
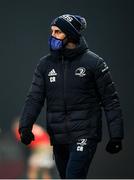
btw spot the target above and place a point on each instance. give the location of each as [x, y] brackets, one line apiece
[71, 25]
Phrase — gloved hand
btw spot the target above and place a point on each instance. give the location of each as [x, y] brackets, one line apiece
[114, 145]
[26, 136]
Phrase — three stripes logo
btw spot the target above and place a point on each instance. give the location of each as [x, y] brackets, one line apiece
[52, 75]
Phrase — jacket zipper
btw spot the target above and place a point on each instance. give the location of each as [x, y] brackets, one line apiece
[64, 78]
[64, 96]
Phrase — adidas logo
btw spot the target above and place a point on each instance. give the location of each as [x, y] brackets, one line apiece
[52, 73]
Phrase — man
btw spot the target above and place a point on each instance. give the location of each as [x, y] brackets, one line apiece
[76, 84]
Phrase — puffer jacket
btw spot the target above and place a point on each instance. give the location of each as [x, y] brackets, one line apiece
[76, 84]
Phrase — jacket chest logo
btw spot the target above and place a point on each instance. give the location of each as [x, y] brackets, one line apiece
[81, 71]
[52, 75]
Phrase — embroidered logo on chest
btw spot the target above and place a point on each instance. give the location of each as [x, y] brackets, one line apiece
[81, 71]
[52, 75]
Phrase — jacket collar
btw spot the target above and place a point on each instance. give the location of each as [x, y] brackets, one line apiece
[71, 53]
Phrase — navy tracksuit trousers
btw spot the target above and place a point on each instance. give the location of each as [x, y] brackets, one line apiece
[73, 160]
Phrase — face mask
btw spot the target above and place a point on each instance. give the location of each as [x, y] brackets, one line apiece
[56, 44]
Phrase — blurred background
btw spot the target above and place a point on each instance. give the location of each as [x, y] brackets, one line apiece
[24, 31]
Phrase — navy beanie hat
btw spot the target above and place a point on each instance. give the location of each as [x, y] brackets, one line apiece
[71, 25]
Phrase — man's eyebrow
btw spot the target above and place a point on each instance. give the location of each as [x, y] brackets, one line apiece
[55, 29]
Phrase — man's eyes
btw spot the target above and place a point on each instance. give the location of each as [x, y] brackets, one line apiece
[56, 31]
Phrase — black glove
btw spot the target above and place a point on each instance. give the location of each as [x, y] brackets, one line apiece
[26, 136]
[114, 145]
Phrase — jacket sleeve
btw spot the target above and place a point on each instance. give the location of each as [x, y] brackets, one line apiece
[109, 99]
[34, 100]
